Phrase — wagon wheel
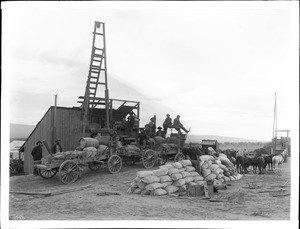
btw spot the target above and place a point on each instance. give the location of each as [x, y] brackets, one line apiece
[68, 172]
[47, 174]
[149, 158]
[114, 164]
[179, 156]
[94, 165]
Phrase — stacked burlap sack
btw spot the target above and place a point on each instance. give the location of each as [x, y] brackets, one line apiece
[88, 148]
[130, 150]
[218, 167]
[169, 179]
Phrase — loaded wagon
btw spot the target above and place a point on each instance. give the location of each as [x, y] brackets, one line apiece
[70, 164]
[156, 150]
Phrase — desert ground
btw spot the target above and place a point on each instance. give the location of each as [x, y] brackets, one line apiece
[266, 201]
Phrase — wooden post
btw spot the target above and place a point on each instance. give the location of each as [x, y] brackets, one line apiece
[54, 121]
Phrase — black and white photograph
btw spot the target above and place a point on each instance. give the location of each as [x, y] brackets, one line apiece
[170, 114]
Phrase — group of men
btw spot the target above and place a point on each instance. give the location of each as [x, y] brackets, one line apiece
[150, 129]
[37, 152]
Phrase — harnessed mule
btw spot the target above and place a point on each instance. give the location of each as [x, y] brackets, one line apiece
[278, 160]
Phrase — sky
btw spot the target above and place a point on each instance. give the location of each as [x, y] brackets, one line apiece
[218, 67]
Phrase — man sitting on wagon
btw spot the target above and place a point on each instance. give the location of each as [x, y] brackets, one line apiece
[160, 133]
[177, 125]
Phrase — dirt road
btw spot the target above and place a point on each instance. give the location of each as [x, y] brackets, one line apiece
[240, 202]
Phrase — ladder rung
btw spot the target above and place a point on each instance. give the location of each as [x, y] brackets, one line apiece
[97, 83]
[95, 67]
[98, 33]
[98, 48]
[94, 77]
[94, 71]
[97, 60]
[98, 55]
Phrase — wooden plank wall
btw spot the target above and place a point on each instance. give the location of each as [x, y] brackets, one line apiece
[68, 127]
[68, 130]
[41, 132]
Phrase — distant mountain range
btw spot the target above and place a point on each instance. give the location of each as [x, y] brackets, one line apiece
[220, 139]
[22, 132]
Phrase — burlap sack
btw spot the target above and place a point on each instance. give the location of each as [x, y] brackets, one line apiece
[211, 177]
[150, 179]
[137, 179]
[176, 176]
[185, 174]
[160, 172]
[137, 191]
[214, 167]
[102, 149]
[153, 186]
[227, 179]
[206, 158]
[177, 165]
[190, 169]
[182, 170]
[198, 178]
[171, 189]
[141, 185]
[173, 170]
[186, 163]
[179, 182]
[160, 192]
[166, 184]
[188, 180]
[165, 178]
[205, 170]
[194, 174]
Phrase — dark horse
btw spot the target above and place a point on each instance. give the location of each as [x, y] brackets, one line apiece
[268, 162]
[242, 164]
[261, 164]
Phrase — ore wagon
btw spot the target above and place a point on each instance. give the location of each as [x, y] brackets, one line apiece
[70, 164]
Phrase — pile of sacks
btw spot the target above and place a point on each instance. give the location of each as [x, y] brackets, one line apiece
[169, 179]
[88, 148]
[218, 167]
[130, 150]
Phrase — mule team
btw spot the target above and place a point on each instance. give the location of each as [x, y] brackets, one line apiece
[259, 163]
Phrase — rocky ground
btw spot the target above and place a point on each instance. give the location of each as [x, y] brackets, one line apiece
[238, 202]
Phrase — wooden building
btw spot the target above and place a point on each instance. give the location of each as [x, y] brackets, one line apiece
[69, 121]
[67, 124]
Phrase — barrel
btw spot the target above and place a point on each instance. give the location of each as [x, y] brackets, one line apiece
[88, 142]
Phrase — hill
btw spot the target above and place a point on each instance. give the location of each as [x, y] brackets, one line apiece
[20, 131]
[220, 139]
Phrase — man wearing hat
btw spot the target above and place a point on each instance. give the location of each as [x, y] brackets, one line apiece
[130, 122]
[167, 123]
[152, 127]
[57, 147]
[37, 154]
[160, 133]
[177, 124]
